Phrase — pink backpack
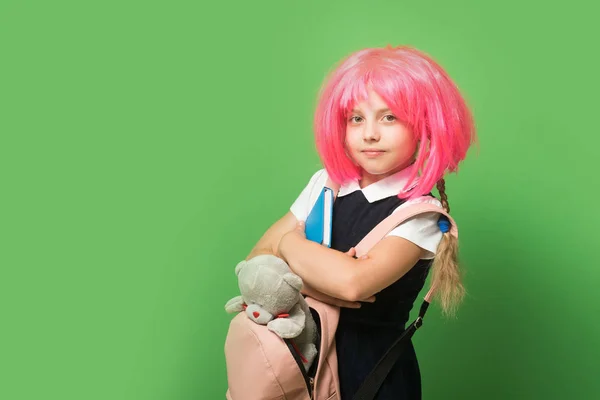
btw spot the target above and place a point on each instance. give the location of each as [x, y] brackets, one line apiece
[262, 366]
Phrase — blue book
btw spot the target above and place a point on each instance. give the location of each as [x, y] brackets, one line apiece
[318, 222]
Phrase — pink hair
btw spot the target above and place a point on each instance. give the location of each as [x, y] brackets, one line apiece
[421, 95]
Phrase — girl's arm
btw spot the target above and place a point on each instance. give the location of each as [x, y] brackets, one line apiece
[315, 294]
[335, 274]
[269, 244]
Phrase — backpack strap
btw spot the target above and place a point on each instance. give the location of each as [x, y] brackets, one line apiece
[387, 225]
[420, 206]
[370, 386]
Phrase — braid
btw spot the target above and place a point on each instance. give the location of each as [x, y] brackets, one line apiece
[441, 187]
[447, 275]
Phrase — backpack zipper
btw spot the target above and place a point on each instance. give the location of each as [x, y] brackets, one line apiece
[308, 380]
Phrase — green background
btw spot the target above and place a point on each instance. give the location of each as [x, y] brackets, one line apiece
[145, 147]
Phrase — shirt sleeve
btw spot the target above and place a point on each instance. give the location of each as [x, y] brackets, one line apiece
[308, 197]
[422, 230]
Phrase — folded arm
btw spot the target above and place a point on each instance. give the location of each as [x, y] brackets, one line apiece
[269, 244]
[335, 274]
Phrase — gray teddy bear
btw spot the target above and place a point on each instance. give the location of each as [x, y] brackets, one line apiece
[271, 296]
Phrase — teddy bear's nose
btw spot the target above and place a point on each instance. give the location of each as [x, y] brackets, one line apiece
[256, 314]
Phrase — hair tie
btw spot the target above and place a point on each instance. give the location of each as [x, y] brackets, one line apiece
[444, 224]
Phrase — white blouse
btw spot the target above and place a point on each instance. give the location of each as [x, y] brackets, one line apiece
[422, 229]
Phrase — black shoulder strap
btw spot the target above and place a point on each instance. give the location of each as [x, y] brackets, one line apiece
[374, 380]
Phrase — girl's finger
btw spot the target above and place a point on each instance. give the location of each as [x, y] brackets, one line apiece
[351, 252]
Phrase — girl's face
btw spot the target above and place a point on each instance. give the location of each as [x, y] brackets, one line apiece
[377, 141]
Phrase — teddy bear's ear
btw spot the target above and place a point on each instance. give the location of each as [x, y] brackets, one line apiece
[239, 267]
[293, 280]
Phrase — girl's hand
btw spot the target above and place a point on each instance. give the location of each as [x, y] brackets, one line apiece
[352, 253]
[298, 231]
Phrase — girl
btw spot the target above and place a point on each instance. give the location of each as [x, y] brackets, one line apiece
[389, 124]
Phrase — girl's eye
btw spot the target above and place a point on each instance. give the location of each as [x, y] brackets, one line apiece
[390, 119]
[352, 119]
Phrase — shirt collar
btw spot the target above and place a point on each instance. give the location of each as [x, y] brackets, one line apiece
[386, 187]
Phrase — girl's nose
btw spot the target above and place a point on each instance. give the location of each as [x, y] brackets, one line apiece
[371, 132]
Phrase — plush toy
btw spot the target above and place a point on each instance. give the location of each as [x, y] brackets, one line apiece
[271, 296]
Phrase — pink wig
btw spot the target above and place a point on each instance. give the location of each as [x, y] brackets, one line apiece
[421, 95]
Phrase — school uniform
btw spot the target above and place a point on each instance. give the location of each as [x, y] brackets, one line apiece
[365, 334]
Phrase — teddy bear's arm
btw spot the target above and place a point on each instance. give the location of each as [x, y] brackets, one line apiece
[235, 305]
[289, 327]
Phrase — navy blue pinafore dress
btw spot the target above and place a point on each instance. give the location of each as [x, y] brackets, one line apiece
[365, 334]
